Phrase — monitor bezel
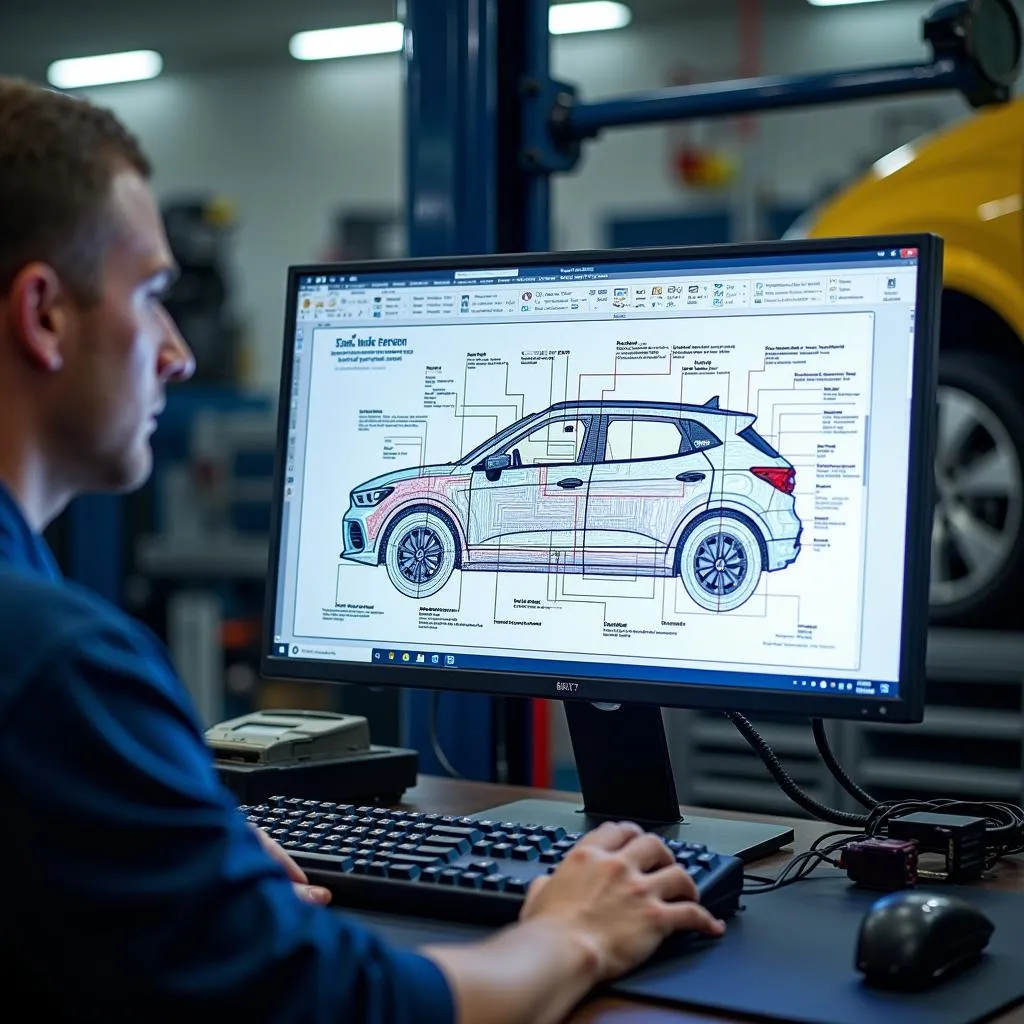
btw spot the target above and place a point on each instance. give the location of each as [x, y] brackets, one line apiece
[907, 707]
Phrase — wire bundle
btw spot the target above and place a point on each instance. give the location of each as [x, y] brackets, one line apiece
[1004, 821]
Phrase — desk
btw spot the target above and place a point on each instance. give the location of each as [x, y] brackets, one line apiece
[447, 796]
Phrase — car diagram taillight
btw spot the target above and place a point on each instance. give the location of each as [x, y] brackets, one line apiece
[782, 478]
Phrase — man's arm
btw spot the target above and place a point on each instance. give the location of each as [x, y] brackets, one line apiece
[139, 892]
[613, 899]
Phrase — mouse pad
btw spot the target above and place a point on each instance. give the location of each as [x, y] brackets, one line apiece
[789, 954]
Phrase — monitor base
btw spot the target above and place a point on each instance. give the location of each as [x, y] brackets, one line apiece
[748, 840]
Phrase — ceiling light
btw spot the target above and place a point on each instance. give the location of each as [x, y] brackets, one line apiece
[104, 69]
[839, 3]
[589, 16]
[354, 41]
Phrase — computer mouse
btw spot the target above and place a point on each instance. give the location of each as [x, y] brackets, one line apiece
[913, 939]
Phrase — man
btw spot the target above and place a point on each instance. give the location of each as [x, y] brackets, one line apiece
[135, 890]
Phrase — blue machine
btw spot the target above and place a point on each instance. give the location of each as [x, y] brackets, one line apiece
[488, 126]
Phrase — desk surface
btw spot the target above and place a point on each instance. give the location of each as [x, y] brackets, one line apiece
[459, 798]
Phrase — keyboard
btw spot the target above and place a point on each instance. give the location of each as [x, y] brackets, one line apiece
[451, 868]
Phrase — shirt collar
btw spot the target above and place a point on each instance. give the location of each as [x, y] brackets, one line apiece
[20, 546]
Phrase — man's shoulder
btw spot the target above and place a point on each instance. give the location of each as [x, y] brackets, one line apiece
[42, 620]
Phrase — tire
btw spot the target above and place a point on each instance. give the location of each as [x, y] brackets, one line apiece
[977, 558]
[421, 553]
[720, 561]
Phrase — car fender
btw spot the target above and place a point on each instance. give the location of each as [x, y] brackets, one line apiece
[975, 275]
[434, 504]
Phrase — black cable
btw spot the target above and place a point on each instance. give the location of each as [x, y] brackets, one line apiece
[435, 742]
[785, 780]
[862, 796]
[1004, 833]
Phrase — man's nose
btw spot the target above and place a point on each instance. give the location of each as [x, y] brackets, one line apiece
[176, 361]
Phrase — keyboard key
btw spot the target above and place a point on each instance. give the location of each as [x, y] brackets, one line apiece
[501, 850]
[554, 833]
[453, 842]
[404, 872]
[472, 835]
[482, 849]
[471, 880]
[525, 853]
[378, 869]
[484, 826]
[298, 833]
[445, 853]
[541, 842]
[430, 874]
[487, 867]
[449, 876]
[706, 860]
[551, 857]
[494, 883]
[361, 866]
[418, 861]
[517, 885]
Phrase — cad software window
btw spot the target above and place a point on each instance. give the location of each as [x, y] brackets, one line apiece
[618, 470]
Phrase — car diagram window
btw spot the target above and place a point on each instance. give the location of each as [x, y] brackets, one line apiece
[555, 443]
[631, 439]
[700, 436]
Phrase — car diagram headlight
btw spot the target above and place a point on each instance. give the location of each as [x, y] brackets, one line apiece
[374, 496]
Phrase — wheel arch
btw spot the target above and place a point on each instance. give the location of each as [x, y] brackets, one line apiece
[721, 513]
[439, 510]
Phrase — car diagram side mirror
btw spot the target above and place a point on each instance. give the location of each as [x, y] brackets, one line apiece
[494, 464]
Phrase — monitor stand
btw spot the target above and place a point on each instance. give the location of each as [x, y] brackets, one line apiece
[625, 774]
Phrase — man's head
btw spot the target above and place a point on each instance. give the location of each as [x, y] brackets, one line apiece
[86, 347]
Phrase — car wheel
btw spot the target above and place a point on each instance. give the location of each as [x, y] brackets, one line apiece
[420, 554]
[977, 553]
[720, 562]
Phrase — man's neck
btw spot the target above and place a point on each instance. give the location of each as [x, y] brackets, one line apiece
[31, 488]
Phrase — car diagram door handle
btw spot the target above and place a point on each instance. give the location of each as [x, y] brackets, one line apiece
[691, 478]
[570, 482]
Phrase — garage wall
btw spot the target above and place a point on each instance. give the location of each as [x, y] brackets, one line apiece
[294, 146]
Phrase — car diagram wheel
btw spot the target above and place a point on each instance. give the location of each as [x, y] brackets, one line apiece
[720, 562]
[421, 554]
[977, 551]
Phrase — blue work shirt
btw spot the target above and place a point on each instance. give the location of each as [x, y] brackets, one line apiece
[133, 889]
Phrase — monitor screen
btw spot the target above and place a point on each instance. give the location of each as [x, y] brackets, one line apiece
[688, 477]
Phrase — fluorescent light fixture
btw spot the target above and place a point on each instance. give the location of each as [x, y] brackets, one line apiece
[354, 41]
[104, 69]
[588, 16]
[839, 3]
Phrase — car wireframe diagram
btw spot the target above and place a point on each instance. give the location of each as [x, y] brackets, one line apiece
[612, 487]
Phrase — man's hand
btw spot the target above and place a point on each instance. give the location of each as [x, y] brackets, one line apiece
[305, 891]
[620, 890]
[612, 900]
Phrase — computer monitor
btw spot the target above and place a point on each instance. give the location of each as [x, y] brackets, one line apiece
[635, 479]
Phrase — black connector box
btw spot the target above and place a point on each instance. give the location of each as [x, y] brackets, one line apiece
[959, 838]
[378, 775]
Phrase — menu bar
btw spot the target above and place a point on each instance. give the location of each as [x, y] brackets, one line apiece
[840, 288]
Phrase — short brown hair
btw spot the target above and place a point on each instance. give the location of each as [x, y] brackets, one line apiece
[58, 158]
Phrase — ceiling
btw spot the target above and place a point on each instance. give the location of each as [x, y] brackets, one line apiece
[195, 35]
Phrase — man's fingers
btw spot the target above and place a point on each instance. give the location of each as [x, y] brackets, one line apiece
[313, 894]
[295, 873]
[611, 835]
[691, 917]
[647, 852]
[673, 883]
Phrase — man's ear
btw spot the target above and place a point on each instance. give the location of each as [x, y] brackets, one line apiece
[38, 304]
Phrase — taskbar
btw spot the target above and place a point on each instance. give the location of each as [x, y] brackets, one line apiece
[404, 657]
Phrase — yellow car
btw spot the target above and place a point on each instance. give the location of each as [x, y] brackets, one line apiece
[966, 185]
